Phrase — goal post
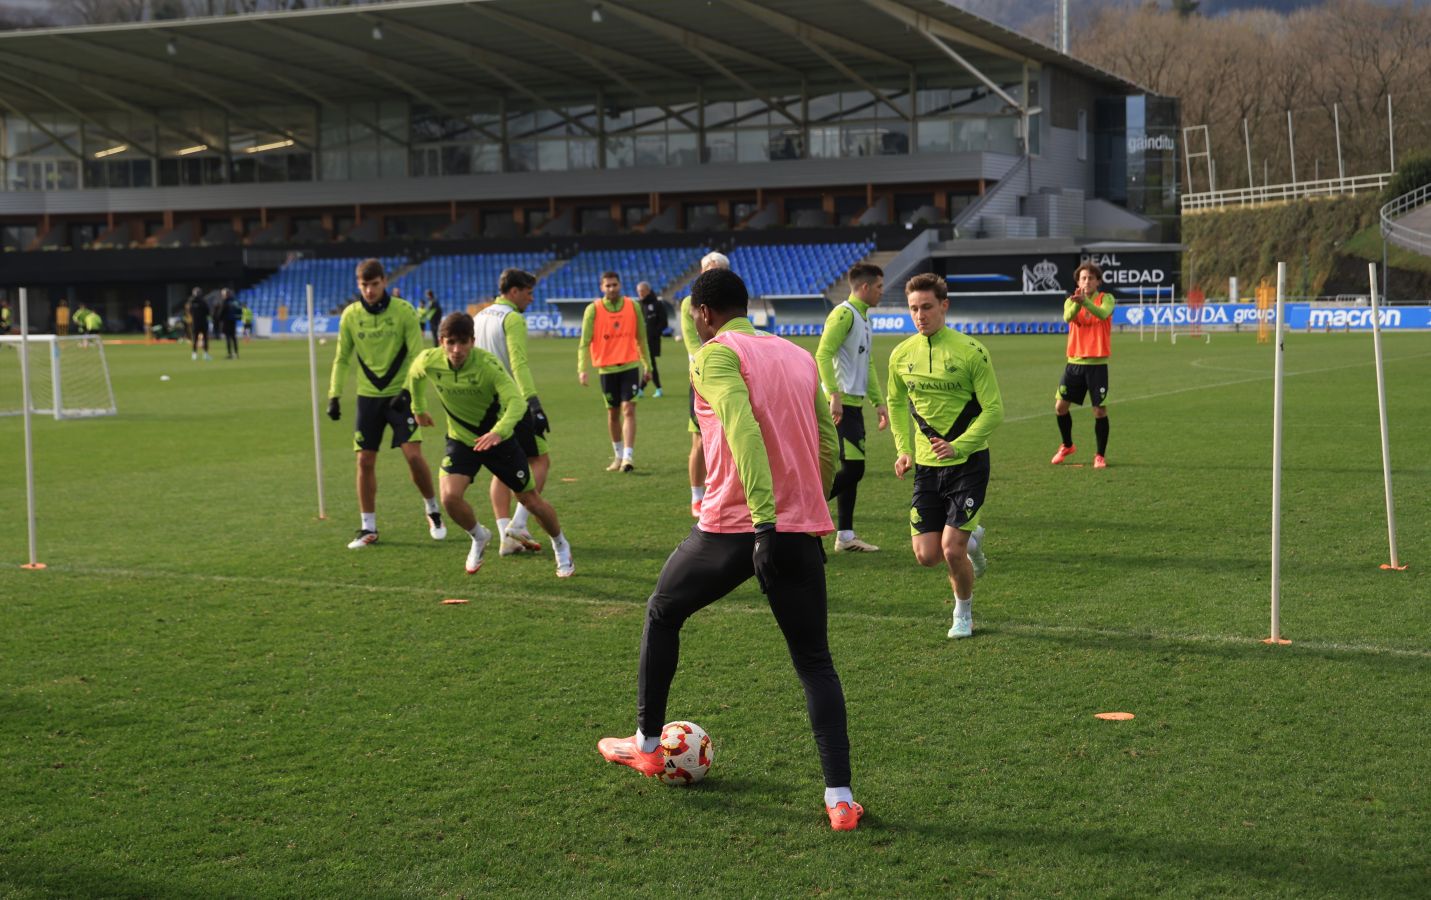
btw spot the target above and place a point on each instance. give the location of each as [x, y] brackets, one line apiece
[68, 377]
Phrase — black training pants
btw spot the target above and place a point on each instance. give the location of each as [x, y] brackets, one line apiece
[706, 567]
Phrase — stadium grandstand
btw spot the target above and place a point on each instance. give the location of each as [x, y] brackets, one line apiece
[267, 151]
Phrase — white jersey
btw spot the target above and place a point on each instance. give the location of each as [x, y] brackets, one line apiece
[852, 361]
[489, 328]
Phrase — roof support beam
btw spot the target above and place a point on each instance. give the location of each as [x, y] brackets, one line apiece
[475, 56]
[808, 34]
[114, 133]
[59, 141]
[988, 82]
[694, 42]
[593, 56]
[929, 26]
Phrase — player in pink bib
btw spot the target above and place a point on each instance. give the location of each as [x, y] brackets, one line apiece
[770, 450]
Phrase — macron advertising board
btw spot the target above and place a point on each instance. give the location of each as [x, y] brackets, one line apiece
[1300, 317]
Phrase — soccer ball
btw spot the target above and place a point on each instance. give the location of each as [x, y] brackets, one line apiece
[687, 749]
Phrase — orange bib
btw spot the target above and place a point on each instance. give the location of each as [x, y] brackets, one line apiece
[613, 335]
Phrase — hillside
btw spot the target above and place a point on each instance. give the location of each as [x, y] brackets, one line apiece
[1325, 243]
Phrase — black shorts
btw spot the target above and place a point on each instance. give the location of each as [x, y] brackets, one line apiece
[949, 495]
[526, 437]
[377, 413]
[621, 387]
[851, 430]
[505, 460]
[1080, 380]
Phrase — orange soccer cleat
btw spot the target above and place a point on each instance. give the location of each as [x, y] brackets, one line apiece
[627, 753]
[1064, 452]
[845, 816]
[1099, 462]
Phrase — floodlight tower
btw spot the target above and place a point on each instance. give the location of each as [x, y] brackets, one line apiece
[1060, 25]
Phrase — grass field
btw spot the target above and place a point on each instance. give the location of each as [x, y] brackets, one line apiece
[206, 695]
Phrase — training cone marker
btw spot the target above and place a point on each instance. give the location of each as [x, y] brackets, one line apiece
[453, 601]
[1113, 716]
[163, 377]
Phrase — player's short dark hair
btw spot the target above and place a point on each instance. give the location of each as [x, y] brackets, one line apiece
[456, 325]
[864, 273]
[928, 281]
[1091, 267]
[514, 279]
[371, 270]
[721, 290]
[609, 274]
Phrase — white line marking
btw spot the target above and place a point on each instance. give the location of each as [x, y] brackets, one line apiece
[490, 591]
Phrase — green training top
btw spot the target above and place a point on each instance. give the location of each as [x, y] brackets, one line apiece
[479, 397]
[716, 375]
[837, 328]
[588, 321]
[944, 385]
[384, 339]
[689, 337]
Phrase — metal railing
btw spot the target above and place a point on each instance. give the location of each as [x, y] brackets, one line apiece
[1278, 193]
[1400, 234]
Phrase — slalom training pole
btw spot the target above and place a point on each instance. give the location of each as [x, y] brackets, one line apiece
[1276, 636]
[313, 390]
[1395, 563]
[33, 564]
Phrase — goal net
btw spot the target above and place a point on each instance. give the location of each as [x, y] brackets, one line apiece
[69, 377]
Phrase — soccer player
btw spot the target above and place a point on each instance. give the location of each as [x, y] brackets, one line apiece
[430, 315]
[1089, 314]
[198, 319]
[770, 446]
[382, 334]
[501, 330]
[483, 408]
[941, 380]
[614, 331]
[847, 372]
[6, 325]
[653, 310]
[229, 315]
[696, 463]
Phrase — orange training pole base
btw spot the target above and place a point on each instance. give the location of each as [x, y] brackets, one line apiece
[34, 567]
[1276, 642]
[1388, 567]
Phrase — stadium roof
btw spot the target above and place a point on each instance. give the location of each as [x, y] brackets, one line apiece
[536, 53]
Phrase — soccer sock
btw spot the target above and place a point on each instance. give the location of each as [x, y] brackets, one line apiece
[370, 521]
[1100, 431]
[431, 503]
[561, 549]
[616, 448]
[1065, 428]
[846, 534]
[836, 796]
[698, 492]
[973, 542]
[647, 744]
[502, 527]
[627, 453]
[965, 607]
[476, 531]
[519, 518]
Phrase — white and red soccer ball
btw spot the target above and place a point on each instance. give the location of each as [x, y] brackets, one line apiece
[687, 749]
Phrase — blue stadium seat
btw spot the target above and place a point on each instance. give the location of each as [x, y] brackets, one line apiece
[334, 284]
[462, 279]
[795, 269]
[581, 276]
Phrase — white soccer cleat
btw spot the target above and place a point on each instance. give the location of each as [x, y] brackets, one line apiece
[565, 566]
[976, 552]
[854, 545]
[615, 465]
[479, 546]
[364, 539]
[522, 538]
[963, 626]
[435, 526]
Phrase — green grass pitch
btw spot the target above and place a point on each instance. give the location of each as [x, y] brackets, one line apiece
[207, 695]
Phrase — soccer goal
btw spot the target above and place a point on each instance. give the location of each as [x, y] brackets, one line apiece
[69, 377]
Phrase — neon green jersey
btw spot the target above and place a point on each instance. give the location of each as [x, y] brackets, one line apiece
[944, 386]
[842, 349]
[689, 337]
[478, 398]
[384, 339]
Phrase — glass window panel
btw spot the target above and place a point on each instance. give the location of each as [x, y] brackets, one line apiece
[1035, 138]
[935, 136]
[1003, 135]
[970, 135]
[244, 170]
[300, 166]
[650, 119]
[825, 142]
[618, 119]
[750, 146]
[824, 106]
[487, 158]
[785, 143]
[720, 146]
[718, 115]
[581, 153]
[651, 150]
[893, 137]
[393, 160]
[551, 156]
[523, 156]
[362, 163]
[681, 149]
[334, 165]
[452, 159]
[620, 152]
